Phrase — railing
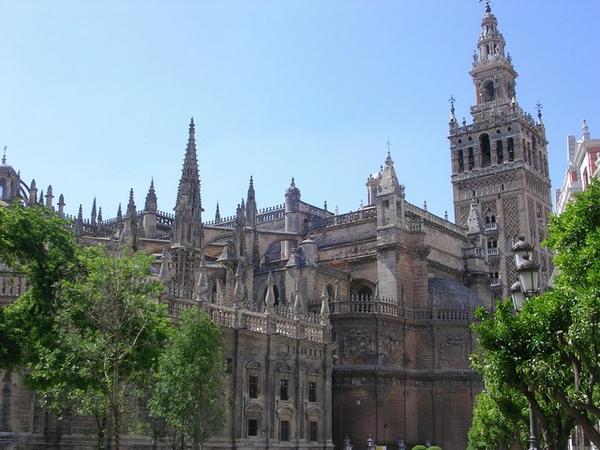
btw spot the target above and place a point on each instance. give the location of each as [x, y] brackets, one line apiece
[473, 252]
[493, 251]
[432, 218]
[365, 304]
[491, 226]
[388, 307]
[355, 216]
[306, 327]
[264, 215]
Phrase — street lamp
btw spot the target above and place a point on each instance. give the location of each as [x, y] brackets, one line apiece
[527, 286]
[517, 295]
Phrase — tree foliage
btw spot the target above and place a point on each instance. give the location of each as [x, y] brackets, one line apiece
[89, 329]
[189, 387]
[37, 243]
[550, 351]
[109, 331]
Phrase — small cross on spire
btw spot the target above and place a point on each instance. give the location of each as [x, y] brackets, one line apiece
[452, 100]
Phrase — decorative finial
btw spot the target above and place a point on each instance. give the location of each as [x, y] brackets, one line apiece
[538, 105]
[389, 145]
[586, 131]
[452, 100]
[4, 155]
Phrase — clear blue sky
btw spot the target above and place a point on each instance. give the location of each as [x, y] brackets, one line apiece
[96, 96]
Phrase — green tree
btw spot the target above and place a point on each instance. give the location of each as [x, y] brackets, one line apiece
[37, 243]
[189, 387]
[499, 420]
[109, 331]
[550, 351]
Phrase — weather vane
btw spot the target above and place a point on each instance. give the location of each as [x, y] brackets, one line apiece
[539, 107]
[488, 6]
[389, 145]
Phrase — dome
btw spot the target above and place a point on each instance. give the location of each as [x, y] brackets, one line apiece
[447, 293]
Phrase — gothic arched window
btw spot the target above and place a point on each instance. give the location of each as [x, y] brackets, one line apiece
[489, 92]
[486, 153]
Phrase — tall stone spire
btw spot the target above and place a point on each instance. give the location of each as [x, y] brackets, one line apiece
[32, 193]
[119, 213]
[94, 214]
[129, 235]
[188, 208]
[49, 197]
[151, 204]
[61, 205]
[130, 206]
[217, 214]
[149, 218]
[251, 205]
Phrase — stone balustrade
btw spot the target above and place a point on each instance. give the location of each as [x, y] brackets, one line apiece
[388, 307]
[306, 327]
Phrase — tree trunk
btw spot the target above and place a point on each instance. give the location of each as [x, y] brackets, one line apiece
[117, 427]
[101, 430]
[582, 420]
[116, 411]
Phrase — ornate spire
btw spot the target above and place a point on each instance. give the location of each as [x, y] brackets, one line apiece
[251, 193]
[100, 216]
[61, 205]
[41, 199]
[79, 222]
[49, 197]
[93, 215]
[130, 226]
[119, 214]
[217, 214]
[4, 155]
[130, 214]
[32, 193]
[188, 208]
[151, 204]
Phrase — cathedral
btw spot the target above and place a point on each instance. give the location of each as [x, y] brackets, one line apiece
[336, 327]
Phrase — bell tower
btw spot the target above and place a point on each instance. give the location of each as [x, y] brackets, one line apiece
[500, 161]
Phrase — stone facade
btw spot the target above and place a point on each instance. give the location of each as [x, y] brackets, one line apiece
[582, 166]
[336, 326]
